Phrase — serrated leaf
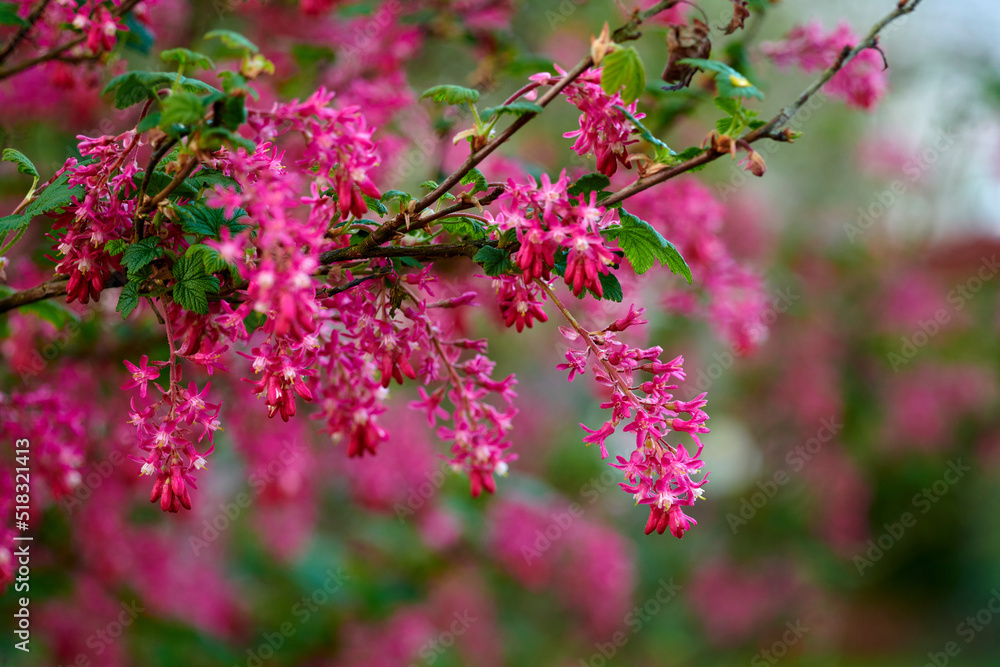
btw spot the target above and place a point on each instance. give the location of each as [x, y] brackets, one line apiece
[115, 247]
[518, 108]
[429, 185]
[643, 246]
[611, 287]
[589, 183]
[141, 253]
[197, 218]
[209, 178]
[404, 198]
[232, 111]
[689, 153]
[134, 87]
[726, 125]
[128, 299]
[729, 82]
[193, 284]
[187, 57]
[495, 261]
[161, 179]
[8, 14]
[728, 105]
[24, 165]
[210, 258]
[182, 109]
[57, 195]
[622, 69]
[11, 222]
[464, 228]
[451, 94]
[375, 206]
[476, 178]
[233, 40]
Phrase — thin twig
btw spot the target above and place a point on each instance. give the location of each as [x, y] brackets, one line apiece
[29, 23]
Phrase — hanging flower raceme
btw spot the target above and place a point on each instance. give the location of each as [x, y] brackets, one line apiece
[557, 230]
[604, 130]
[171, 429]
[657, 473]
[101, 210]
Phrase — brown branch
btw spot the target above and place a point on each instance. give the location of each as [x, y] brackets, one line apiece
[55, 53]
[772, 129]
[140, 214]
[29, 23]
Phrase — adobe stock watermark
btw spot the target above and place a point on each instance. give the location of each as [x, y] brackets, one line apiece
[781, 302]
[796, 459]
[302, 610]
[968, 630]
[229, 512]
[101, 640]
[634, 621]
[957, 297]
[421, 494]
[779, 649]
[913, 170]
[923, 501]
[432, 650]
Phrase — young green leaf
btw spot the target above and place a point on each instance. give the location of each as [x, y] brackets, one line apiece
[375, 206]
[9, 223]
[53, 313]
[643, 246]
[193, 284]
[476, 178]
[403, 198]
[494, 260]
[141, 253]
[8, 14]
[623, 68]
[197, 218]
[464, 228]
[115, 247]
[129, 298]
[187, 57]
[181, 109]
[233, 40]
[611, 287]
[56, 196]
[24, 165]
[451, 94]
[729, 82]
[518, 108]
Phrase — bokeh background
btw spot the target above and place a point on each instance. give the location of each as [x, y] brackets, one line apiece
[844, 328]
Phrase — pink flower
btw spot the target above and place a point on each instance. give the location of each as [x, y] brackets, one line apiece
[142, 374]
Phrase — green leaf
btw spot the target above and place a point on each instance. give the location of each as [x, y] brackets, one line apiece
[11, 222]
[375, 206]
[54, 313]
[187, 57]
[643, 246]
[404, 198]
[464, 228]
[232, 111]
[209, 178]
[181, 109]
[429, 185]
[476, 178]
[193, 284]
[494, 260]
[451, 94]
[135, 87]
[611, 287]
[8, 14]
[233, 40]
[129, 298]
[24, 165]
[726, 125]
[115, 247]
[197, 218]
[210, 258]
[148, 122]
[623, 68]
[729, 82]
[518, 108]
[689, 153]
[589, 183]
[141, 253]
[212, 138]
[643, 130]
[57, 195]
[728, 105]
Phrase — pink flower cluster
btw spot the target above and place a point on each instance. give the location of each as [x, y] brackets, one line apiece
[548, 222]
[861, 84]
[165, 430]
[604, 130]
[104, 213]
[520, 303]
[657, 473]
